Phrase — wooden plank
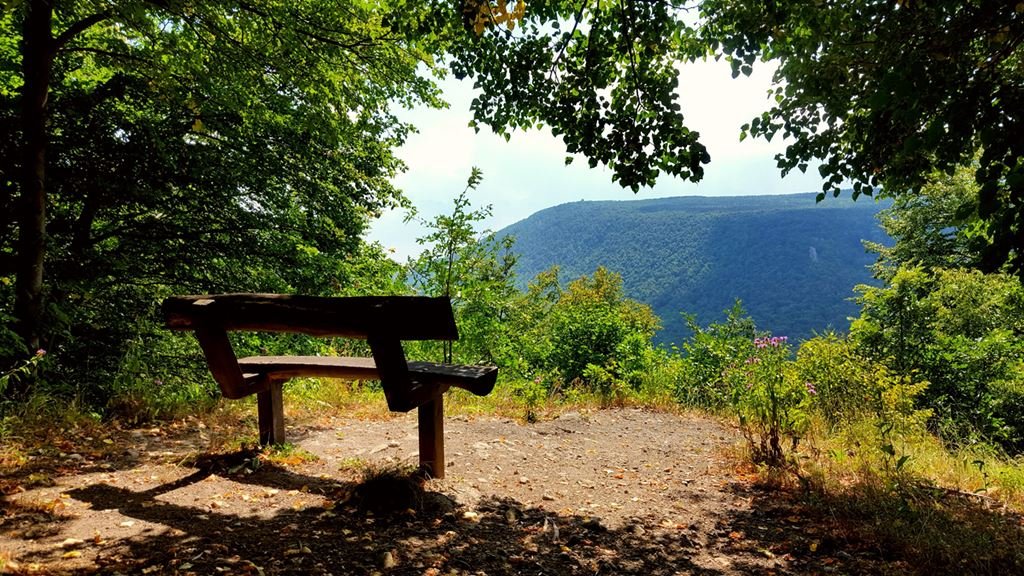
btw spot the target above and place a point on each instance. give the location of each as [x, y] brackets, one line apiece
[220, 358]
[417, 395]
[431, 433]
[400, 317]
[270, 410]
[286, 367]
[392, 371]
[477, 379]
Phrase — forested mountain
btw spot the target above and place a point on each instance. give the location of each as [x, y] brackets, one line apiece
[792, 262]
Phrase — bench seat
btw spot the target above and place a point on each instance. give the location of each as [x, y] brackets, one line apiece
[476, 379]
[428, 379]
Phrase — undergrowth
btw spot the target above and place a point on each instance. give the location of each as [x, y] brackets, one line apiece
[863, 452]
[912, 499]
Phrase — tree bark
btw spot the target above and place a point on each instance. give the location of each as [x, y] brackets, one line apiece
[37, 59]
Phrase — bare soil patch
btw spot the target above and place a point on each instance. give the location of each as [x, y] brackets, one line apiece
[605, 492]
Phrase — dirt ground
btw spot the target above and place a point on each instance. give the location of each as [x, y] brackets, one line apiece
[605, 492]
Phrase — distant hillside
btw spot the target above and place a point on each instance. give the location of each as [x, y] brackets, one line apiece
[791, 261]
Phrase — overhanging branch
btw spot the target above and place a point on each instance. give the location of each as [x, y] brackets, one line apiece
[77, 28]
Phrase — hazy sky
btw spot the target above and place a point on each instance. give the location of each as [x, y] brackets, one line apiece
[528, 173]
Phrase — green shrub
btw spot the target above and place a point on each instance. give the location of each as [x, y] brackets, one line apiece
[160, 374]
[1008, 407]
[533, 392]
[663, 378]
[840, 376]
[610, 388]
[23, 369]
[589, 323]
[960, 331]
[708, 355]
[584, 335]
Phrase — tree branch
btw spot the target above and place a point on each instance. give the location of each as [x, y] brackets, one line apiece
[77, 28]
[112, 54]
[568, 39]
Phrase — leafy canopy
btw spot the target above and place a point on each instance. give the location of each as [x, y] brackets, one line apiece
[601, 74]
[937, 227]
[887, 92]
[210, 146]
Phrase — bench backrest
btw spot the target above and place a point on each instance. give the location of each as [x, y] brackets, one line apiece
[384, 321]
[392, 317]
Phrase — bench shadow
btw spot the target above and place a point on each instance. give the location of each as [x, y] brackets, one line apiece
[498, 536]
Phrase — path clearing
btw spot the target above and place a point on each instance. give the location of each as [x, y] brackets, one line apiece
[605, 492]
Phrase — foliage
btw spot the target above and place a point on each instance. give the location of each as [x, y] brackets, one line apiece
[584, 337]
[531, 331]
[897, 406]
[159, 376]
[1007, 397]
[532, 392]
[792, 263]
[841, 377]
[601, 75]
[894, 319]
[593, 324]
[472, 268]
[886, 435]
[709, 354]
[939, 319]
[771, 403]
[731, 368]
[204, 148]
[606, 383]
[958, 330]
[885, 93]
[21, 370]
[937, 227]
[663, 377]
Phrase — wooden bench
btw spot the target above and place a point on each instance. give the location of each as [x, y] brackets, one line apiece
[383, 321]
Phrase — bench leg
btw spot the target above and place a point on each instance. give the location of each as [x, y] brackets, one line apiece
[270, 408]
[431, 429]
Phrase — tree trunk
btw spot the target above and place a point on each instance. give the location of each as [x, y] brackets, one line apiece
[37, 58]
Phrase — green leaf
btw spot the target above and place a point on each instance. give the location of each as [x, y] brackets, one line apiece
[901, 462]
